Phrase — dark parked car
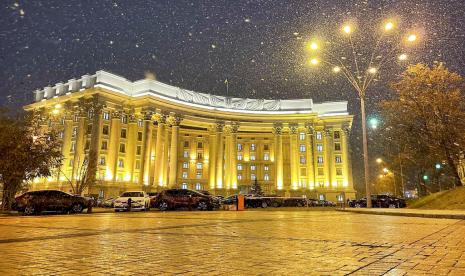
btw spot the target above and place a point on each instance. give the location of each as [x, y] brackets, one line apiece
[35, 202]
[153, 199]
[183, 198]
[216, 199]
[326, 203]
[379, 201]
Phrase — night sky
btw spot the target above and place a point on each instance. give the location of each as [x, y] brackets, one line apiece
[259, 46]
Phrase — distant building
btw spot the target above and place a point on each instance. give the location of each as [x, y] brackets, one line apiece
[150, 135]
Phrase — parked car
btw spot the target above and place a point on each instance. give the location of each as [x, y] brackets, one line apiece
[109, 202]
[379, 201]
[35, 202]
[139, 201]
[216, 199]
[153, 199]
[312, 202]
[326, 203]
[184, 198]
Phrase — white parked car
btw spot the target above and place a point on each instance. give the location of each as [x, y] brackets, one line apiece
[139, 201]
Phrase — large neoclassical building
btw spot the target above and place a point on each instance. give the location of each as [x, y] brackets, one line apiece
[150, 135]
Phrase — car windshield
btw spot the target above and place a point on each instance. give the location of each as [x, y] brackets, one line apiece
[132, 194]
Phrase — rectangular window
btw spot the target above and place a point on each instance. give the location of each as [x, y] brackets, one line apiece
[239, 147]
[122, 148]
[123, 133]
[239, 177]
[252, 147]
[239, 167]
[102, 161]
[337, 146]
[73, 147]
[138, 150]
[321, 172]
[74, 133]
[121, 163]
[337, 135]
[338, 159]
[266, 177]
[186, 144]
[320, 160]
[318, 135]
[87, 146]
[301, 136]
[185, 165]
[186, 154]
[105, 129]
[89, 129]
[338, 171]
[239, 157]
[319, 147]
[184, 175]
[199, 145]
[199, 166]
[266, 156]
[252, 167]
[198, 175]
[198, 186]
[252, 157]
[137, 164]
[104, 145]
[266, 168]
[302, 148]
[184, 186]
[61, 134]
[303, 160]
[106, 115]
[266, 147]
[253, 176]
[199, 155]
[139, 136]
[124, 119]
[140, 123]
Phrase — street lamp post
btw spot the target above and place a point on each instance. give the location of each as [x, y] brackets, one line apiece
[360, 80]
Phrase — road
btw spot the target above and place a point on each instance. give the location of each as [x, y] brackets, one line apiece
[287, 242]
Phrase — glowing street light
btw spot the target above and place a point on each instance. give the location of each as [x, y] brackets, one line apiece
[425, 177]
[412, 38]
[403, 57]
[373, 123]
[438, 166]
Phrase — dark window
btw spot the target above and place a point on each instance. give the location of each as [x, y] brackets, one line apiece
[105, 130]
[89, 129]
[139, 136]
[122, 148]
[186, 144]
[123, 133]
[337, 135]
[199, 145]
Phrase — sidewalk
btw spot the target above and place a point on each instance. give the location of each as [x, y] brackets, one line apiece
[443, 214]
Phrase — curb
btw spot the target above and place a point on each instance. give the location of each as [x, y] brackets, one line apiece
[438, 216]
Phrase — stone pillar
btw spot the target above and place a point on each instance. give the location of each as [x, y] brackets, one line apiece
[131, 148]
[94, 147]
[79, 146]
[212, 160]
[67, 131]
[166, 150]
[173, 169]
[328, 162]
[158, 175]
[227, 160]
[233, 158]
[345, 157]
[309, 156]
[293, 156]
[113, 146]
[277, 129]
[145, 168]
[219, 155]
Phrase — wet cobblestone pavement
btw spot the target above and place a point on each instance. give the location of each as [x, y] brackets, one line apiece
[290, 242]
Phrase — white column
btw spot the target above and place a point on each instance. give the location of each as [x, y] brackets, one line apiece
[219, 156]
[175, 121]
[278, 128]
[158, 175]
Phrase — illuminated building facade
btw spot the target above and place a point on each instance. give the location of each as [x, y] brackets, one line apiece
[150, 135]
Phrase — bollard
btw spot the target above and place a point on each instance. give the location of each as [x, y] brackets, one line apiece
[240, 202]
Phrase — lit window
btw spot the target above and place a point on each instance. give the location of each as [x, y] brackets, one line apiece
[239, 157]
[186, 154]
[184, 186]
[122, 148]
[73, 147]
[252, 167]
[102, 160]
[320, 159]
[76, 118]
[199, 175]
[239, 167]
[266, 156]
[239, 147]
[319, 147]
[124, 119]
[199, 166]
[140, 123]
[252, 157]
[337, 146]
[253, 176]
[252, 147]
[266, 168]
[74, 132]
[185, 165]
[239, 177]
[61, 134]
[338, 159]
[302, 148]
[121, 163]
[198, 186]
[184, 175]
[137, 164]
[106, 115]
[266, 177]
[303, 160]
[302, 136]
[318, 135]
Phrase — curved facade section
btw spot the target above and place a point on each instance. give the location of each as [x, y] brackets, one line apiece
[150, 135]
